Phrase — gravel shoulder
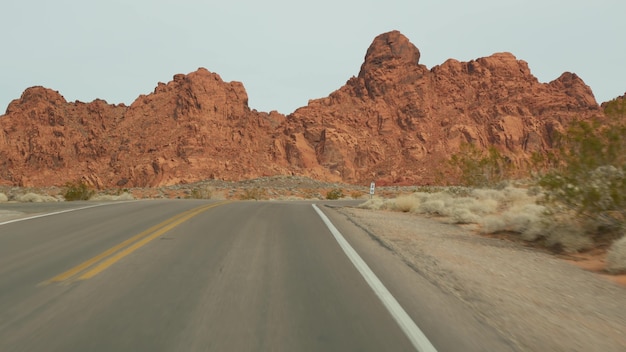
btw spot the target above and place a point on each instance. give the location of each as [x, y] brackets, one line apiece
[539, 302]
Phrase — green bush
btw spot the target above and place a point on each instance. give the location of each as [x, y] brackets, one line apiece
[334, 194]
[480, 169]
[77, 190]
[589, 174]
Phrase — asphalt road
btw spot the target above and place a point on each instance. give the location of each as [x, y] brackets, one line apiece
[183, 275]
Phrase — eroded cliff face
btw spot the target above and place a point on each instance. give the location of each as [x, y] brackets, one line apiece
[46, 140]
[192, 128]
[399, 121]
[396, 122]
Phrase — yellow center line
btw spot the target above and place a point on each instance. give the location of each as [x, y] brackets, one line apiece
[109, 257]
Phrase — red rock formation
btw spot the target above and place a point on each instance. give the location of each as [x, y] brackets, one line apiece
[193, 128]
[397, 121]
[45, 138]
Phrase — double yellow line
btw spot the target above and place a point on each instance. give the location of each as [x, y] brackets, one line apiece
[104, 260]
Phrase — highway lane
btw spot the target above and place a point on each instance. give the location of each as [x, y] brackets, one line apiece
[242, 276]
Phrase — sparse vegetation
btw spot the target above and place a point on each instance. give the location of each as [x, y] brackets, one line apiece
[480, 169]
[578, 202]
[616, 257]
[334, 194]
[3, 198]
[124, 195]
[356, 194]
[77, 190]
[255, 193]
[202, 192]
[309, 193]
[31, 197]
[589, 178]
[615, 108]
[509, 210]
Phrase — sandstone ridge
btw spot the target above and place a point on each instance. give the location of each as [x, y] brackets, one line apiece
[395, 122]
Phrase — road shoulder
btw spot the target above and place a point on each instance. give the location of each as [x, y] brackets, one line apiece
[535, 301]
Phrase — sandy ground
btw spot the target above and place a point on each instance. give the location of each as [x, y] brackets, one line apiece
[538, 301]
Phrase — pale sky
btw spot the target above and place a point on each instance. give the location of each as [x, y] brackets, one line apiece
[286, 52]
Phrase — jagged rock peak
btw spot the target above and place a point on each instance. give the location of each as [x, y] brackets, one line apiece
[36, 95]
[390, 49]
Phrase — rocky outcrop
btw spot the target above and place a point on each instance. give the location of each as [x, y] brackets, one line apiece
[47, 141]
[400, 121]
[615, 108]
[396, 122]
[192, 128]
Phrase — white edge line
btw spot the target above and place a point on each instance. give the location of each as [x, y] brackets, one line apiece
[54, 213]
[408, 326]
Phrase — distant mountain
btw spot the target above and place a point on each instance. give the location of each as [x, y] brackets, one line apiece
[396, 122]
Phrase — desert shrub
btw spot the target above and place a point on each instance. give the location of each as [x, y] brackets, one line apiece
[457, 191]
[309, 193]
[112, 197]
[526, 219]
[201, 192]
[34, 198]
[478, 168]
[404, 203]
[77, 190]
[522, 218]
[489, 193]
[432, 206]
[3, 198]
[616, 257]
[478, 205]
[567, 237]
[356, 194]
[256, 193]
[461, 215]
[493, 224]
[512, 210]
[334, 194]
[373, 204]
[590, 175]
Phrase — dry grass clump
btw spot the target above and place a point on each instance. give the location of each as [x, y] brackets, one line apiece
[112, 197]
[35, 198]
[404, 203]
[357, 194]
[375, 203]
[459, 209]
[202, 192]
[3, 198]
[256, 193]
[567, 236]
[519, 216]
[508, 210]
[616, 257]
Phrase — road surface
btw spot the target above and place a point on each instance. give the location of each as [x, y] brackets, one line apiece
[186, 275]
